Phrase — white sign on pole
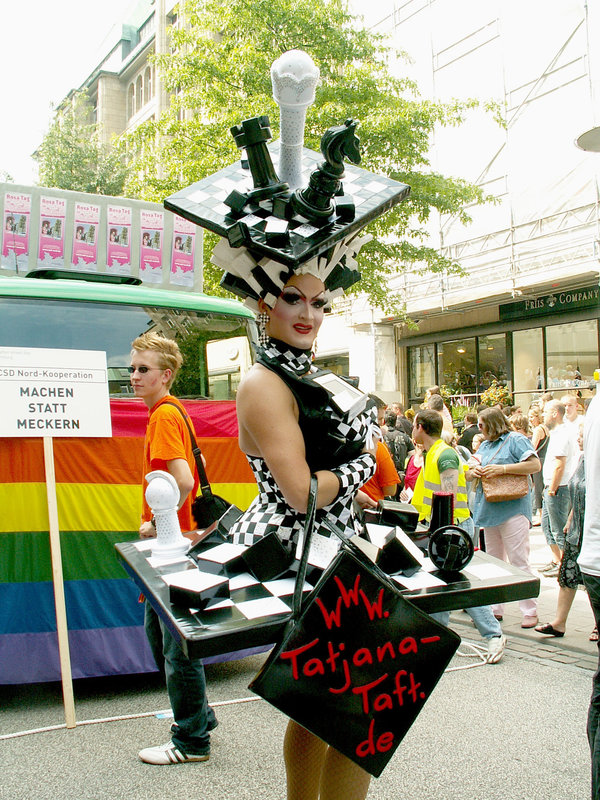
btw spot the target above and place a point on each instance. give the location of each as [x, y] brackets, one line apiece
[54, 393]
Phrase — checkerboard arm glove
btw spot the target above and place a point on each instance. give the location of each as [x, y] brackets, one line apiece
[355, 474]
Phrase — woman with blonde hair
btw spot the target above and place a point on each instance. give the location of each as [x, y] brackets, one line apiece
[540, 436]
[519, 423]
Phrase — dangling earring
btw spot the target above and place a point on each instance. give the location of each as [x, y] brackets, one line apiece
[314, 350]
[261, 321]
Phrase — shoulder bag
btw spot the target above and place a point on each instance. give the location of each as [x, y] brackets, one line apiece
[356, 661]
[504, 487]
[206, 507]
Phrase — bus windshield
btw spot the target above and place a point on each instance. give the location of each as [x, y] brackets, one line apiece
[216, 347]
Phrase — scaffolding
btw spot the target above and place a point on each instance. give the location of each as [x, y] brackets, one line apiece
[535, 62]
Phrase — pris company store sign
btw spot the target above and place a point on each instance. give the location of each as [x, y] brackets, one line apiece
[555, 303]
[55, 393]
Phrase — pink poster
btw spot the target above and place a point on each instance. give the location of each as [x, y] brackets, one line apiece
[152, 224]
[85, 237]
[15, 231]
[118, 240]
[51, 252]
[182, 255]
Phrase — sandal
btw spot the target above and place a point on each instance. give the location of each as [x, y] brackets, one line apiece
[594, 635]
[549, 630]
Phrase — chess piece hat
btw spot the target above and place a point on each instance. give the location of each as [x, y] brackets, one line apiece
[270, 231]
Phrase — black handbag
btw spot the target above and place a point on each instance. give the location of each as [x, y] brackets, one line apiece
[206, 507]
[356, 661]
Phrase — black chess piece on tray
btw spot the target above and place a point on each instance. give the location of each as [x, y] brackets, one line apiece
[249, 206]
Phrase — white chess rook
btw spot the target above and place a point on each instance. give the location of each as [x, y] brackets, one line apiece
[294, 77]
[162, 495]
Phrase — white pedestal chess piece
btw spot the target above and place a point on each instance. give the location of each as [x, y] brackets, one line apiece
[162, 495]
[294, 77]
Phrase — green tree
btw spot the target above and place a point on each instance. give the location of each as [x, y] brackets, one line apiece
[72, 155]
[219, 74]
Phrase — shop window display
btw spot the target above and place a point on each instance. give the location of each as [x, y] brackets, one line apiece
[571, 355]
[457, 366]
[421, 369]
[492, 361]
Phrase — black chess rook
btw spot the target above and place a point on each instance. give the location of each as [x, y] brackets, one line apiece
[253, 135]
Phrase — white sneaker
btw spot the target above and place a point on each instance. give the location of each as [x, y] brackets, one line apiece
[495, 649]
[169, 754]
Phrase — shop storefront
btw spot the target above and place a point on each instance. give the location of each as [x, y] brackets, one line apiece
[546, 343]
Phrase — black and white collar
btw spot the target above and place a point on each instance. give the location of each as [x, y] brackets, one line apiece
[292, 359]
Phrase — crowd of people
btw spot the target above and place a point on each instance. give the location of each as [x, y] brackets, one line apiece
[545, 442]
[419, 453]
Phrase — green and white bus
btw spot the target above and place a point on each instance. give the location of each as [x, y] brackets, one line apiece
[99, 480]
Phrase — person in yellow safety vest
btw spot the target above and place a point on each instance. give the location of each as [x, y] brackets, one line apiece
[443, 470]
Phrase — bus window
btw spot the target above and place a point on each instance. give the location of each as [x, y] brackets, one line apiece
[227, 361]
[207, 339]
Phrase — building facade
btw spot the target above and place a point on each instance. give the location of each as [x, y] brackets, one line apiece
[124, 88]
[525, 311]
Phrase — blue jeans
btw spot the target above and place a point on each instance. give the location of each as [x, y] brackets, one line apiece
[592, 584]
[186, 687]
[555, 511]
[483, 616]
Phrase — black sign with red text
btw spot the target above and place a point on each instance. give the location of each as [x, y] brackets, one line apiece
[358, 665]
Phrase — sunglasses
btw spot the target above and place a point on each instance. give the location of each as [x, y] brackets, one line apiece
[142, 370]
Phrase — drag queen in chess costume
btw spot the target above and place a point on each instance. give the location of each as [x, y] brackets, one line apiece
[289, 431]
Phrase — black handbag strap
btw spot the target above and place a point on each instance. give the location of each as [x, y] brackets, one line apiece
[204, 484]
[368, 564]
[309, 524]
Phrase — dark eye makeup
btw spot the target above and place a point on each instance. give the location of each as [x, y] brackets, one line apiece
[291, 298]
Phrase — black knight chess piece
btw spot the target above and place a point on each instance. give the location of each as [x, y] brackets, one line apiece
[316, 201]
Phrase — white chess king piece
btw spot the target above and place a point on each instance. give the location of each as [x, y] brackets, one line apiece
[294, 77]
[162, 495]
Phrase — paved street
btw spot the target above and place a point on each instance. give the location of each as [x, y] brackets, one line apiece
[512, 730]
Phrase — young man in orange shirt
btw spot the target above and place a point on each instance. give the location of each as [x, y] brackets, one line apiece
[386, 479]
[155, 362]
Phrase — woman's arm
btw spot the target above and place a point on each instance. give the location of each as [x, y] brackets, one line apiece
[527, 467]
[538, 436]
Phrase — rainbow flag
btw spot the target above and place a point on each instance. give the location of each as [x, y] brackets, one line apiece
[99, 499]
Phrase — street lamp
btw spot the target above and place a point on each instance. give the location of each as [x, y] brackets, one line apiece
[590, 140]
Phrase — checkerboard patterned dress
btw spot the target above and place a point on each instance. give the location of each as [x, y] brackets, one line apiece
[269, 511]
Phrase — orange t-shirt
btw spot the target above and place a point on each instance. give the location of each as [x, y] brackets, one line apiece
[385, 474]
[168, 438]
